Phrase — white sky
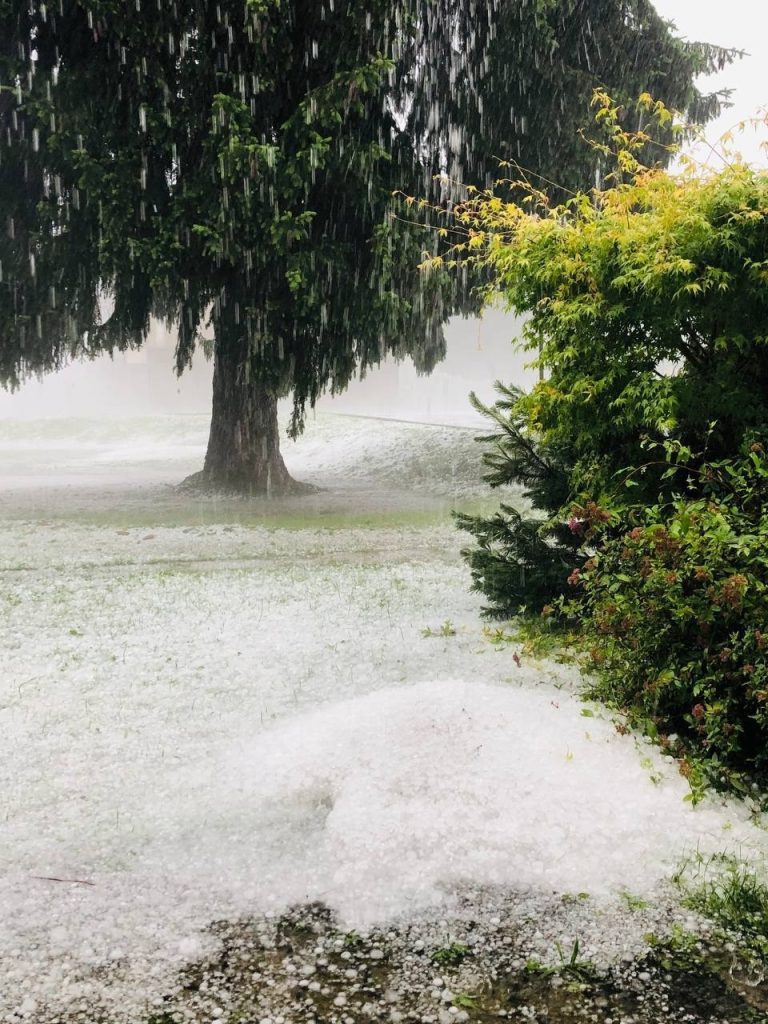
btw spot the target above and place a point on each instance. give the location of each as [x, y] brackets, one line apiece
[742, 24]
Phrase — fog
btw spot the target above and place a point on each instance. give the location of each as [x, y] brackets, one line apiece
[140, 383]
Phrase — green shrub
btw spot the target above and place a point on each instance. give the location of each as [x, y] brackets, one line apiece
[646, 303]
[674, 603]
[641, 446]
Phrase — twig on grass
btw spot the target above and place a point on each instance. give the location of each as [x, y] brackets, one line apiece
[71, 881]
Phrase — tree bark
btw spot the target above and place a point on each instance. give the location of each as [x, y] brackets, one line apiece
[243, 452]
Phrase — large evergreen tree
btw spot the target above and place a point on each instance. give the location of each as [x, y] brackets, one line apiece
[235, 162]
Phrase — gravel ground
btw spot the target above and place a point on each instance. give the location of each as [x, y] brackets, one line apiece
[301, 968]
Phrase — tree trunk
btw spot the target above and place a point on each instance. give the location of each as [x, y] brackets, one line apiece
[244, 443]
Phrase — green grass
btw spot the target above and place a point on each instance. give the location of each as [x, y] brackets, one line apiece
[447, 629]
[536, 637]
[259, 513]
[450, 956]
[465, 1000]
[680, 950]
[578, 973]
[632, 902]
[735, 899]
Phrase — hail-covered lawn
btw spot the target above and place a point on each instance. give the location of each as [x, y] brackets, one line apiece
[216, 708]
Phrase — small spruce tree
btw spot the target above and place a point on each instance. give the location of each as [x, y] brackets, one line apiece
[520, 561]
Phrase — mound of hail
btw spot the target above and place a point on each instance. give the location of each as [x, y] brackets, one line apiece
[381, 806]
[395, 797]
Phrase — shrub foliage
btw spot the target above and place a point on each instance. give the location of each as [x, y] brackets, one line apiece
[642, 450]
[675, 600]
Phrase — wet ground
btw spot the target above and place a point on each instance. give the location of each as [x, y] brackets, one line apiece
[302, 968]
